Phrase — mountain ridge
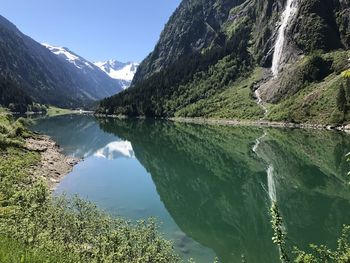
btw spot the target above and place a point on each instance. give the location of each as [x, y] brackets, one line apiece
[91, 74]
[38, 75]
[222, 52]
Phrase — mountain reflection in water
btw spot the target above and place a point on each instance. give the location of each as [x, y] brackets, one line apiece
[209, 185]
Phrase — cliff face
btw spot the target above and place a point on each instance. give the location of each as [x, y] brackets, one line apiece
[195, 25]
[321, 25]
[192, 28]
[209, 48]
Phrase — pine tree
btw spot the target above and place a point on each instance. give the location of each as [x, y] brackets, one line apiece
[341, 99]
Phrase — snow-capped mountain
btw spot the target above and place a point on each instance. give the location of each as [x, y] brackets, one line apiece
[100, 83]
[118, 70]
[70, 56]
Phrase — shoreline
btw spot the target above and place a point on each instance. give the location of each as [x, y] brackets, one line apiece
[53, 165]
[262, 123]
[232, 122]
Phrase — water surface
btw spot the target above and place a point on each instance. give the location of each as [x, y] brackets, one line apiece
[210, 186]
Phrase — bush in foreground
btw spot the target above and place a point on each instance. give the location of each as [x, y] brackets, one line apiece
[78, 230]
[37, 227]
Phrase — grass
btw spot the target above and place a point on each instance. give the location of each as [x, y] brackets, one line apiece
[314, 104]
[14, 166]
[308, 93]
[316, 100]
[55, 111]
[12, 133]
[234, 102]
[14, 251]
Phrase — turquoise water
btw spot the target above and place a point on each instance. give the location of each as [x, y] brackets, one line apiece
[211, 187]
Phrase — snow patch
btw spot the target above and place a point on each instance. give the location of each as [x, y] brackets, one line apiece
[118, 70]
[69, 56]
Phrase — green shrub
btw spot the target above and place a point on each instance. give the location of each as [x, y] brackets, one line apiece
[4, 129]
[339, 62]
[78, 229]
[324, 254]
[14, 251]
[317, 254]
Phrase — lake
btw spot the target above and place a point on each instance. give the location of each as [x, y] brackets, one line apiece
[211, 187]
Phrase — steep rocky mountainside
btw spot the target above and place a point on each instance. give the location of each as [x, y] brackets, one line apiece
[192, 28]
[213, 55]
[90, 76]
[39, 75]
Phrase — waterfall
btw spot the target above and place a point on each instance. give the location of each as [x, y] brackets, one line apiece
[271, 186]
[259, 101]
[287, 14]
[257, 143]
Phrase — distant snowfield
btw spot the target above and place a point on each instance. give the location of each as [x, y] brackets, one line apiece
[119, 70]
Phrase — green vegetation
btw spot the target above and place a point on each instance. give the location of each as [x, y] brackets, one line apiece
[206, 70]
[192, 79]
[11, 134]
[79, 231]
[37, 227]
[3, 111]
[14, 251]
[317, 253]
[316, 103]
[279, 234]
[12, 97]
[55, 111]
[234, 102]
[317, 31]
[37, 108]
[314, 91]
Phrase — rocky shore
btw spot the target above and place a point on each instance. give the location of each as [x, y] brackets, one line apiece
[54, 165]
[231, 122]
[262, 123]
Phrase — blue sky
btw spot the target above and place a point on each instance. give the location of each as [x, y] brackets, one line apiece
[126, 30]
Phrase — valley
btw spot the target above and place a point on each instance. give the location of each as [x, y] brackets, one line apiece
[224, 137]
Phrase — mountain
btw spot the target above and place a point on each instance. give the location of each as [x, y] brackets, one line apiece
[246, 59]
[100, 84]
[70, 57]
[123, 72]
[37, 75]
